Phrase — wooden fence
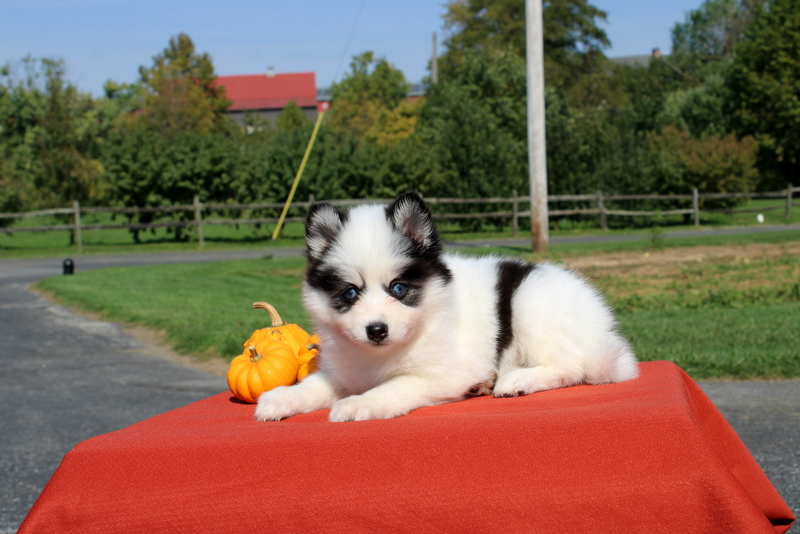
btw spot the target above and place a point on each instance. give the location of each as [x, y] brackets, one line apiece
[513, 214]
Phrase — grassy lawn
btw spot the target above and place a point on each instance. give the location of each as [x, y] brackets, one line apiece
[203, 308]
[759, 341]
[221, 237]
[730, 317]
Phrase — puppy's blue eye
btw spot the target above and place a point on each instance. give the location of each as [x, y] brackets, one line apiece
[398, 289]
[350, 293]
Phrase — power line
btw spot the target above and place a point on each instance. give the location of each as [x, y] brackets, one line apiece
[349, 38]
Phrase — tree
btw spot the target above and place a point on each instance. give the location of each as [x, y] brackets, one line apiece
[152, 170]
[647, 89]
[765, 86]
[712, 31]
[477, 124]
[371, 86]
[49, 139]
[573, 42]
[394, 125]
[716, 164]
[699, 110]
[291, 118]
[180, 92]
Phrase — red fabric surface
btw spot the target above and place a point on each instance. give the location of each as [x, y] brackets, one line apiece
[650, 455]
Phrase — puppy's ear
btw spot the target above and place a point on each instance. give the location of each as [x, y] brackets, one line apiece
[323, 223]
[409, 215]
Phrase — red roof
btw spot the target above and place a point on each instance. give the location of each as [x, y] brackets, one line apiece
[259, 91]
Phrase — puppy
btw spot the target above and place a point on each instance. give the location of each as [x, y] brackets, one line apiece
[403, 325]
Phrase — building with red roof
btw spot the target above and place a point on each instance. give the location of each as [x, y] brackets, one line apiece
[265, 95]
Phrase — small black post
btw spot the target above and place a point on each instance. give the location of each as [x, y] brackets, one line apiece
[69, 266]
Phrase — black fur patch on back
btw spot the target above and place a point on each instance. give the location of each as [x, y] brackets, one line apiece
[510, 274]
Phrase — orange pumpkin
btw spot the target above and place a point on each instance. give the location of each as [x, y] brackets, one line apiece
[264, 364]
[308, 358]
[262, 367]
[291, 334]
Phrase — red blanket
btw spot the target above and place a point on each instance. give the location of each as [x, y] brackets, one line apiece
[650, 455]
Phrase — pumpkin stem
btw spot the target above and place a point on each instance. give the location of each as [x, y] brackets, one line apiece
[273, 313]
[254, 355]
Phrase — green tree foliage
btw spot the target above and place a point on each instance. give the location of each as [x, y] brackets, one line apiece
[573, 41]
[477, 123]
[49, 135]
[173, 139]
[371, 87]
[693, 119]
[679, 108]
[699, 110]
[180, 93]
[149, 170]
[393, 125]
[291, 118]
[712, 31]
[765, 89]
[713, 164]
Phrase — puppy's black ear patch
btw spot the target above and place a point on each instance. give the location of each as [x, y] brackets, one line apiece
[323, 224]
[410, 216]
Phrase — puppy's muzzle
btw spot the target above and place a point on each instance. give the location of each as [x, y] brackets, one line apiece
[377, 332]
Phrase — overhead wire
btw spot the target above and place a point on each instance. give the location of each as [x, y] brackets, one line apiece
[349, 39]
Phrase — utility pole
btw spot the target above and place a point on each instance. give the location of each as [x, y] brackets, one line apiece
[537, 154]
[434, 62]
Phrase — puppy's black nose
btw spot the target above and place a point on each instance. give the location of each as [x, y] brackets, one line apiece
[377, 332]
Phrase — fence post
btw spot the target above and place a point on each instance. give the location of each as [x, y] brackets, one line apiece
[198, 219]
[515, 214]
[696, 206]
[78, 237]
[787, 212]
[602, 207]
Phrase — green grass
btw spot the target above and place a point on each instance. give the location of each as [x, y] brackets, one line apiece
[643, 242]
[224, 237]
[712, 283]
[205, 309]
[716, 319]
[718, 342]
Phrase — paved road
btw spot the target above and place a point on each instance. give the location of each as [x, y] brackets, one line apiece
[66, 378]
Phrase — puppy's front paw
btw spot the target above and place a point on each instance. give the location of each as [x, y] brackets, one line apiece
[515, 384]
[352, 409]
[279, 403]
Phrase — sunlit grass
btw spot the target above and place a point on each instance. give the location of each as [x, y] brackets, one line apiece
[718, 318]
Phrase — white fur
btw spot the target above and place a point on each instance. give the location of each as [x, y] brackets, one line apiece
[563, 332]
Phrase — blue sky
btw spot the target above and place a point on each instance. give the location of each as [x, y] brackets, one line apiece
[110, 39]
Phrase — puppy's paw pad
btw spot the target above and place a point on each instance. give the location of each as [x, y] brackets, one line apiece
[514, 385]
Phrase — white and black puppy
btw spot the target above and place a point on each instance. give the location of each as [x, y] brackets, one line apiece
[403, 325]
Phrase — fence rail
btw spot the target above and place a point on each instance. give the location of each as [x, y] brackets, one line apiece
[514, 214]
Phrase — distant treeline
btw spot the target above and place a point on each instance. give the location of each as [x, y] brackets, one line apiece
[718, 114]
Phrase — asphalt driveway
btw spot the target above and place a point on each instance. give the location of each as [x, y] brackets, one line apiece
[65, 378]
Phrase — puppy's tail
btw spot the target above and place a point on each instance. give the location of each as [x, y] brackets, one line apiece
[615, 362]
